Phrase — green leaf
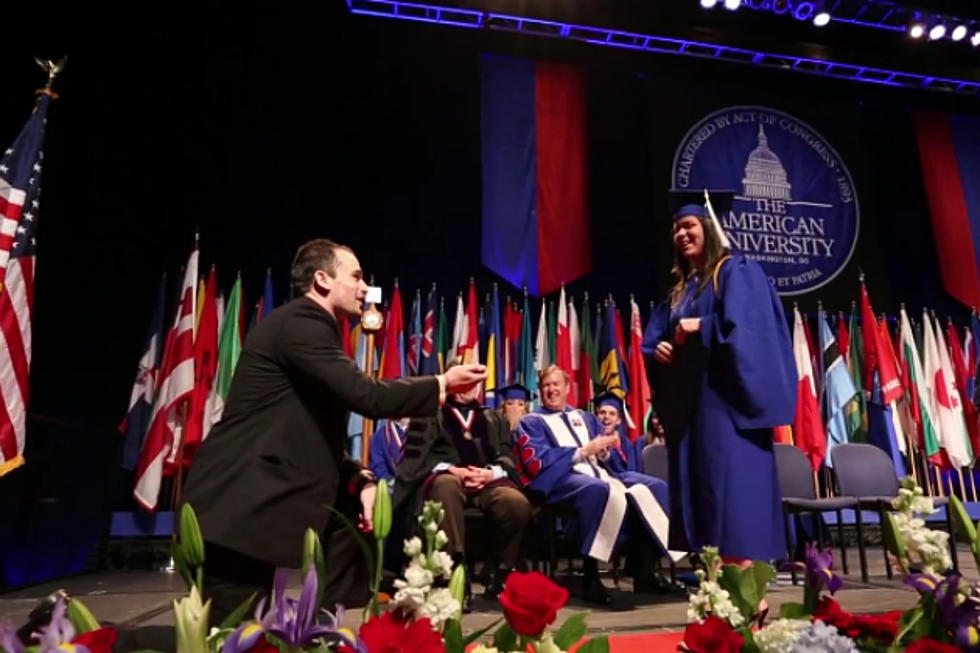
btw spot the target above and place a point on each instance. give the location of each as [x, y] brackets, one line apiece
[370, 608]
[457, 583]
[754, 583]
[505, 639]
[472, 637]
[236, 616]
[793, 611]
[730, 579]
[961, 519]
[911, 623]
[182, 567]
[191, 542]
[598, 644]
[452, 634]
[571, 631]
[81, 617]
[894, 542]
[749, 646]
[382, 511]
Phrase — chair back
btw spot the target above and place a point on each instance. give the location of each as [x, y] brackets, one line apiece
[655, 462]
[863, 470]
[795, 473]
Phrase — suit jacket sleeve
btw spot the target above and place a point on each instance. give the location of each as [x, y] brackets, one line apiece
[311, 349]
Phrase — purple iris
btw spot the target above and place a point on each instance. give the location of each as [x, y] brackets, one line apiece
[9, 641]
[59, 631]
[292, 621]
[820, 569]
[923, 583]
[960, 613]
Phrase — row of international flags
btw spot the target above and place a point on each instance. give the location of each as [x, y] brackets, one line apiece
[184, 373]
[516, 340]
[903, 385]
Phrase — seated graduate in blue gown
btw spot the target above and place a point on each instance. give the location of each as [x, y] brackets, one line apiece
[610, 409]
[565, 458]
[385, 453]
[719, 358]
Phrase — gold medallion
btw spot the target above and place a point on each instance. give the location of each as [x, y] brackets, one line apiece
[467, 435]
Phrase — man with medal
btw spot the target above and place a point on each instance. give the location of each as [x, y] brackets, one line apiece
[462, 458]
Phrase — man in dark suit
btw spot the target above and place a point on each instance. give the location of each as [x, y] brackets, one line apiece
[277, 460]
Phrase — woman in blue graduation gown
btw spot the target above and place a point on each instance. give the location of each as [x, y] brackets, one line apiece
[737, 380]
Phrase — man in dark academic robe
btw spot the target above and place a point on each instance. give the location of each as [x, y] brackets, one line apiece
[567, 458]
[463, 458]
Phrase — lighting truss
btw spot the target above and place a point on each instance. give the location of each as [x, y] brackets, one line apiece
[477, 19]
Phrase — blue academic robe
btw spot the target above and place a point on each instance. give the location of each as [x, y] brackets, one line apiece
[724, 490]
[386, 450]
[602, 494]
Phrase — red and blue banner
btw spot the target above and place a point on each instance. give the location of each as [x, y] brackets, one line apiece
[535, 200]
[949, 151]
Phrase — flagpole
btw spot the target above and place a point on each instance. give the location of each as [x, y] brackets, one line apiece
[371, 322]
[959, 471]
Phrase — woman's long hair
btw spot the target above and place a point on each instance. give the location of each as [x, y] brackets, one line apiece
[682, 269]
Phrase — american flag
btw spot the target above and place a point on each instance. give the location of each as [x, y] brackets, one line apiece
[20, 189]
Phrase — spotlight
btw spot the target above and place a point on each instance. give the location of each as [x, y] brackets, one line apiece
[708, 4]
[937, 32]
[917, 29]
[781, 6]
[821, 18]
[975, 39]
[803, 10]
[732, 5]
[959, 33]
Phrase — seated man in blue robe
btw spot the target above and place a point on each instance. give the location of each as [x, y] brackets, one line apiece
[565, 459]
[385, 453]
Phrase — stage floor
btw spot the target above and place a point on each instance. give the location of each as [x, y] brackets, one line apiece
[141, 598]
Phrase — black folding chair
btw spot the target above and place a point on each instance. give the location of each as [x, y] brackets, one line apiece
[655, 462]
[866, 473]
[800, 497]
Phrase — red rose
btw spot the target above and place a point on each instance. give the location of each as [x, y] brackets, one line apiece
[390, 634]
[531, 602]
[713, 636]
[97, 641]
[927, 645]
[880, 627]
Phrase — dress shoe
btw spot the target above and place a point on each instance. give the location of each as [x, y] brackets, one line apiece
[494, 584]
[654, 584]
[594, 591]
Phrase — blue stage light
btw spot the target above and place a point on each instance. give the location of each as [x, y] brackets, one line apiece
[594, 35]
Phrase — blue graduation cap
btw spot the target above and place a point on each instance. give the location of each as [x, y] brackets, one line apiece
[705, 204]
[514, 391]
[609, 399]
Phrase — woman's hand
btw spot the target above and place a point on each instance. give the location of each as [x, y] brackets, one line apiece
[664, 353]
[686, 326]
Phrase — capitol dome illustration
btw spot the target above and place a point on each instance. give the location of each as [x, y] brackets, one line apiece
[765, 175]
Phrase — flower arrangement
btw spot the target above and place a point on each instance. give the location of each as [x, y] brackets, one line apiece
[422, 617]
[946, 617]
